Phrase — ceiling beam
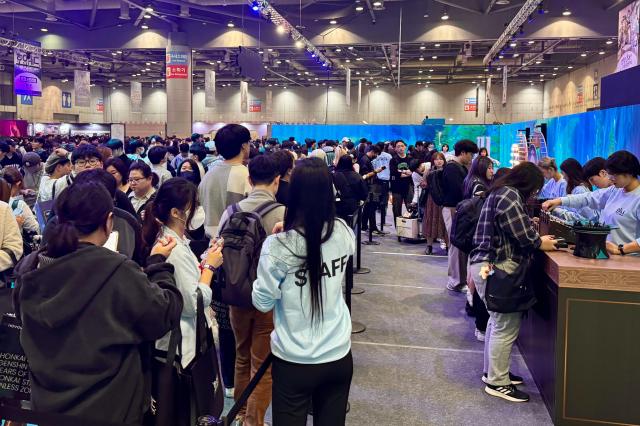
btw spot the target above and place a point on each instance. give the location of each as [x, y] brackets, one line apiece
[371, 12]
[457, 6]
[174, 25]
[210, 9]
[47, 12]
[614, 4]
[491, 4]
[94, 9]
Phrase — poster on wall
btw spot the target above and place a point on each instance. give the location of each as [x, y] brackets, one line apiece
[177, 64]
[505, 73]
[470, 104]
[244, 94]
[596, 91]
[209, 88]
[628, 23]
[26, 71]
[66, 99]
[580, 94]
[100, 104]
[82, 88]
[255, 105]
[136, 96]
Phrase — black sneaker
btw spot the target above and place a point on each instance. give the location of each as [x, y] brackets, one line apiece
[515, 380]
[509, 392]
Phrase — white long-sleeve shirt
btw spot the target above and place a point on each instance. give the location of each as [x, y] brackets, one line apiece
[187, 275]
[22, 209]
[10, 237]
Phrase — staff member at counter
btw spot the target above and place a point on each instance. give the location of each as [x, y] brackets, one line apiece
[618, 205]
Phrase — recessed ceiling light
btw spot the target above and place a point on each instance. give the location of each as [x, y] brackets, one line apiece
[515, 55]
[333, 22]
[602, 52]
[501, 57]
[473, 82]
[338, 50]
[377, 3]
[555, 68]
[230, 24]
[434, 57]
[420, 72]
[269, 50]
[583, 54]
[299, 44]
[144, 26]
[44, 30]
[570, 67]
[531, 42]
[538, 62]
[280, 29]
[366, 72]
[566, 12]
[421, 58]
[147, 16]
[437, 45]
[347, 60]
[350, 47]
[359, 8]
[445, 16]
[423, 47]
[609, 41]
[478, 76]
[359, 59]
[486, 70]
[554, 74]
[530, 81]
[513, 44]
[148, 9]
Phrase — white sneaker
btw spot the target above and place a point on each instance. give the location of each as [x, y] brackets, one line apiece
[479, 335]
[228, 392]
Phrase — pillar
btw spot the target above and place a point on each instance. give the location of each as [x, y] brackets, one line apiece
[179, 85]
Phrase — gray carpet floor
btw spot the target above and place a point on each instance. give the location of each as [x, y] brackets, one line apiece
[418, 362]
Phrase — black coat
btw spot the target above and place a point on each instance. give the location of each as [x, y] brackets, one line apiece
[86, 318]
[352, 189]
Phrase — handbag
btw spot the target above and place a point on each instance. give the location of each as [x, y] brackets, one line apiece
[510, 292]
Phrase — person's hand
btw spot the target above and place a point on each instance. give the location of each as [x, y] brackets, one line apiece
[61, 152]
[279, 227]
[164, 246]
[20, 220]
[214, 257]
[551, 204]
[548, 243]
[612, 248]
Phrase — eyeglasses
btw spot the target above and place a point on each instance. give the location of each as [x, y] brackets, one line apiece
[84, 163]
[136, 180]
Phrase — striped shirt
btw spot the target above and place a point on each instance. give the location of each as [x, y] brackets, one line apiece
[504, 229]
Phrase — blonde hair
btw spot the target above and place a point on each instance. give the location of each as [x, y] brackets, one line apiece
[548, 163]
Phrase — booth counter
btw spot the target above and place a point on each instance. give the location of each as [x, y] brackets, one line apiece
[581, 341]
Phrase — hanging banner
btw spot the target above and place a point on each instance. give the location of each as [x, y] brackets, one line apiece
[136, 96]
[628, 23]
[505, 73]
[359, 94]
[488, 95]
[580, 94]
[244, 95]
[82, 88]
[348, 87]
[209, 88]
[26, 71]
[177, 64]
[66, 99]
[269, 101]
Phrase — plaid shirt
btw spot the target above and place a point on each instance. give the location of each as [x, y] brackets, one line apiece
[504, 229]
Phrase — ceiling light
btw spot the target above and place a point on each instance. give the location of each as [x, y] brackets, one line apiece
[359, 8]
[420, 72]
[299, 44]
[602, 52]
[541, 79]
[366, 72]
[473, 82]
[44, 30]
[423, 47]
[269, 50]
[515, 55]
[144, 26]
[583, 54]
[377, 3]
[359, 59]
[555, 68]
[148, 9]
[147, 16]
[538, 62]
[501, 57]
[350, 47]
[554, 74]
[530, 81]
[570, 67]
[118, 51]
[609, 41]
[114, 53]
[333, 22]
[421, 58]
[445, 15]
[478, 76]
[347, 60]
[541, 75]
[531, 42]
[230, 24]
[280, 28]
[431, 70]
[513, 44]
[437, 45]
[434, 57]
[566, 12]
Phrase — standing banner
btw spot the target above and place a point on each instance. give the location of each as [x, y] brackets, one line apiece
[136, 96]
[177, 65]
[505, 73]
[348, 87]
[628, 23]
[269, 101]
[244, 95]
[359, 94]
[209, 88]
[82, 88]
[488, 95]
[26, 71]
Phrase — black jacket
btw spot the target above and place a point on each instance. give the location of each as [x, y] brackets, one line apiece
[87, 319]
[352, 189]
[453, 183]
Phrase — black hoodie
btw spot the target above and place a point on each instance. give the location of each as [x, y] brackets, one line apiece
[86, 318]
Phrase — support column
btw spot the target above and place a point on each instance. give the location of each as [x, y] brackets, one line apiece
[179, 86]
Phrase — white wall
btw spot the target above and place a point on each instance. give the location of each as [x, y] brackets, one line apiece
[560, 95]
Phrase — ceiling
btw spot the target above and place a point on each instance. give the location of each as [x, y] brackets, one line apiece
[393, 43]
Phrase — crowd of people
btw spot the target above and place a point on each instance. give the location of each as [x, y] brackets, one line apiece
[113, 245]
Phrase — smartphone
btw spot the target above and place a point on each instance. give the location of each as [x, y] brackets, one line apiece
[383, 168]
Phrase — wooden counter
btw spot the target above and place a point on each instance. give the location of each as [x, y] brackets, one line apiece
[581, 341]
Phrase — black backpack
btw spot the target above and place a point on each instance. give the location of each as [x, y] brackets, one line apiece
[243, 235]
[436, 187]
[465, 222]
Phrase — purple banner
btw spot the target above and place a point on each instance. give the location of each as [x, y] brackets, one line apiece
[26, 74]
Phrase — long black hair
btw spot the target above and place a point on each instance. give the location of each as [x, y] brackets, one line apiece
[574, 173]
[526, 177]
[194, 175]
[477, 173]
[311, 210]
[176, 193]
[77, 215]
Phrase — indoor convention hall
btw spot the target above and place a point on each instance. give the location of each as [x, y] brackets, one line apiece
[319, 212]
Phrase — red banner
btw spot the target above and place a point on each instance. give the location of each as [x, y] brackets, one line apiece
[178, 71]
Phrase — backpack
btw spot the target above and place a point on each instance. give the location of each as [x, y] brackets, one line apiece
[243, 235]
[29, 243]
[436, 187]
[463, 228]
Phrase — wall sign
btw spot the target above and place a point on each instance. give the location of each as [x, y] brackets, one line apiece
[255, 105]
[26, 100]
[82, 88]
[470, 104]
[26, 71]
[580, 94]
[66, 99]
[177, 65]
[628, 23]
[100, 104]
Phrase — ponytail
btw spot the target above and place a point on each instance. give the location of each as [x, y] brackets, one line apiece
[151, 225]
[63, 239]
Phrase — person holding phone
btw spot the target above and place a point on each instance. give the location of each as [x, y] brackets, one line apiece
[168, 215]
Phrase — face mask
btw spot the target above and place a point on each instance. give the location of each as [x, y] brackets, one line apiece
[198, 219]
[190, 176]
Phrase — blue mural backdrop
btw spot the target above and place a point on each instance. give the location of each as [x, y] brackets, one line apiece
[581, 136]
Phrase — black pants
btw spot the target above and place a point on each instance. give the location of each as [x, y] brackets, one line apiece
[480, 312]
[369, 216]
[296, 385]
[384, 199]
[398, 199]
[227, 343]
